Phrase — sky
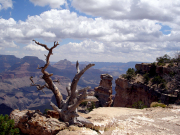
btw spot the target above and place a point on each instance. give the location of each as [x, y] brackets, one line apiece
[91, 30]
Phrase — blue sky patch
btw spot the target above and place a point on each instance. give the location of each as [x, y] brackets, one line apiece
[165, 29]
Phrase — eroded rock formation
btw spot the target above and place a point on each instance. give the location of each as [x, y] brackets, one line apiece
[104, 91]
[147, 67]
[32, 122]
[129, 93]
[143, 67]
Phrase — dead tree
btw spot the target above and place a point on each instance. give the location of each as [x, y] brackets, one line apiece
[67, 109]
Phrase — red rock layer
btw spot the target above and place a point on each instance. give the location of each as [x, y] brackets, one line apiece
[104, 91]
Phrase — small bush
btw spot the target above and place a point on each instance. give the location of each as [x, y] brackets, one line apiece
[130, 73]
[156, 104]
[91, 107]
[7, 126]
[171, 64]
[163, 85]
[160, 64]
[139, 105]
[123, 76]
[146, 78]
[45, 111]
[84, 103]
[165, 59]
[157, 80]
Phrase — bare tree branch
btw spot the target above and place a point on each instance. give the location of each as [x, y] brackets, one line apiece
[46, 76]
[43, 45]
[67, 109]
[68, 89]
[38, 86]
[75, 81]
[56, 81]
[77, 67]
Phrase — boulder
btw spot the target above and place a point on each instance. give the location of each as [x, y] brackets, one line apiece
[53, 114]
[33, 122]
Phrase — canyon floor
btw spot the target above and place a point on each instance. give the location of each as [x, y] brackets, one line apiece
[128, 121]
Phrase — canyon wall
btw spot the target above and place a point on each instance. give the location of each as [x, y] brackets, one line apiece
[128, 94]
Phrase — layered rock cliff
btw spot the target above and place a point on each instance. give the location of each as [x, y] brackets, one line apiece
[7, 61]
[147, 67]
[104, 91]
[129, 93]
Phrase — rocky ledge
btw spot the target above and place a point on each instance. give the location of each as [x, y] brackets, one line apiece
[106, 120]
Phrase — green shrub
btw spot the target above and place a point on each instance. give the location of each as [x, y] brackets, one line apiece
[84, 103]
[130, 73]
[7, 126]
[162, 60]
[45, 111]
[171, 64]
[160, 64]
[139, 105]
[91, 107]
[156, 104]
[165, 59]
[163, 85]
[146, 78]
[123, 76]
[157, 80]
[159, 101]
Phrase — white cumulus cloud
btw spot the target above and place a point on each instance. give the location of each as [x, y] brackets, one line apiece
[34, 47]
[165, 10]
[125, 30]
[5, 4]
[51, 3]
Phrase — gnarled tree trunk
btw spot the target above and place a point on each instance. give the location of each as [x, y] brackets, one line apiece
[67, 109]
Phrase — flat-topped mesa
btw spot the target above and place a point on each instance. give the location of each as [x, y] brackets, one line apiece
[104, 91]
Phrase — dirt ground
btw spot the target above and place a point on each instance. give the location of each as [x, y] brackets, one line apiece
[128, 121]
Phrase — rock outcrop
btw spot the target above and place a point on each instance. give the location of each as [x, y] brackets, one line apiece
[104, 91]
[129, 93]
[147, 67]
[53, 114]
[143, 67]
[33, 122]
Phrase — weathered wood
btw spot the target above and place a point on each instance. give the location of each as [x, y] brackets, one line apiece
[75, 81]
[67, 109]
